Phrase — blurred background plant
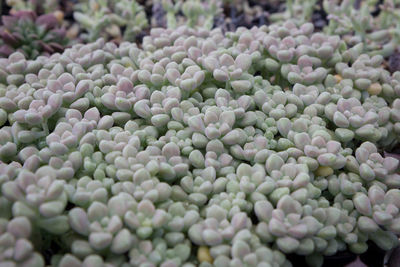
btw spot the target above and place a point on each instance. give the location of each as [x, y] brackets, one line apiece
[194, 13]
[39, 6]
[112, 20]
[297, 10]
[32, 35]
[238, 13]
[133, 16]
[96, 19]
[374, 23]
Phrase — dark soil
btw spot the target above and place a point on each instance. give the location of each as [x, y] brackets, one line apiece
[373, 257]
[394, 62]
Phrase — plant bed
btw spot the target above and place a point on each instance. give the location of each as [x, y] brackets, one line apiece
[238, 134]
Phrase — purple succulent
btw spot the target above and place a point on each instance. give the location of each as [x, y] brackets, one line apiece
[32, 35]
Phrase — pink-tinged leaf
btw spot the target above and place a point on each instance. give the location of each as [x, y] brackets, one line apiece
[35, 104]
[48, 20]
[59, 32]
[6, 50]
[9, 21]
[356, 263]
[393, 155]
[55, 101]
[19, 115]
[25, 14]
[18, 36]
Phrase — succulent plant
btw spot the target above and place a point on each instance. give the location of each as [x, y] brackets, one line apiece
[33, 36]
[198, 147]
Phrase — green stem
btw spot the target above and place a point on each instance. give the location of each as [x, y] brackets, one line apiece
[45, 127]
[227, 85]
[289, 4]
[171, 20]
[278, 78]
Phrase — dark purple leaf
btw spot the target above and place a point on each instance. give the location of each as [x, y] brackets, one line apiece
[56, 47]
[394, 260]
[6, 50]
[46, 47]
[8, 38]
[394, 62]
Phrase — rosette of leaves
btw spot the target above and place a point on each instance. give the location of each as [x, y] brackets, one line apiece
[31, 35]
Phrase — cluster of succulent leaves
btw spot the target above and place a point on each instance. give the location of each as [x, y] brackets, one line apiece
[23, 31]
[198, 148]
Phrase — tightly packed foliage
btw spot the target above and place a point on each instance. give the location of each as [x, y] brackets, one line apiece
[23, 31]
[198, 149]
